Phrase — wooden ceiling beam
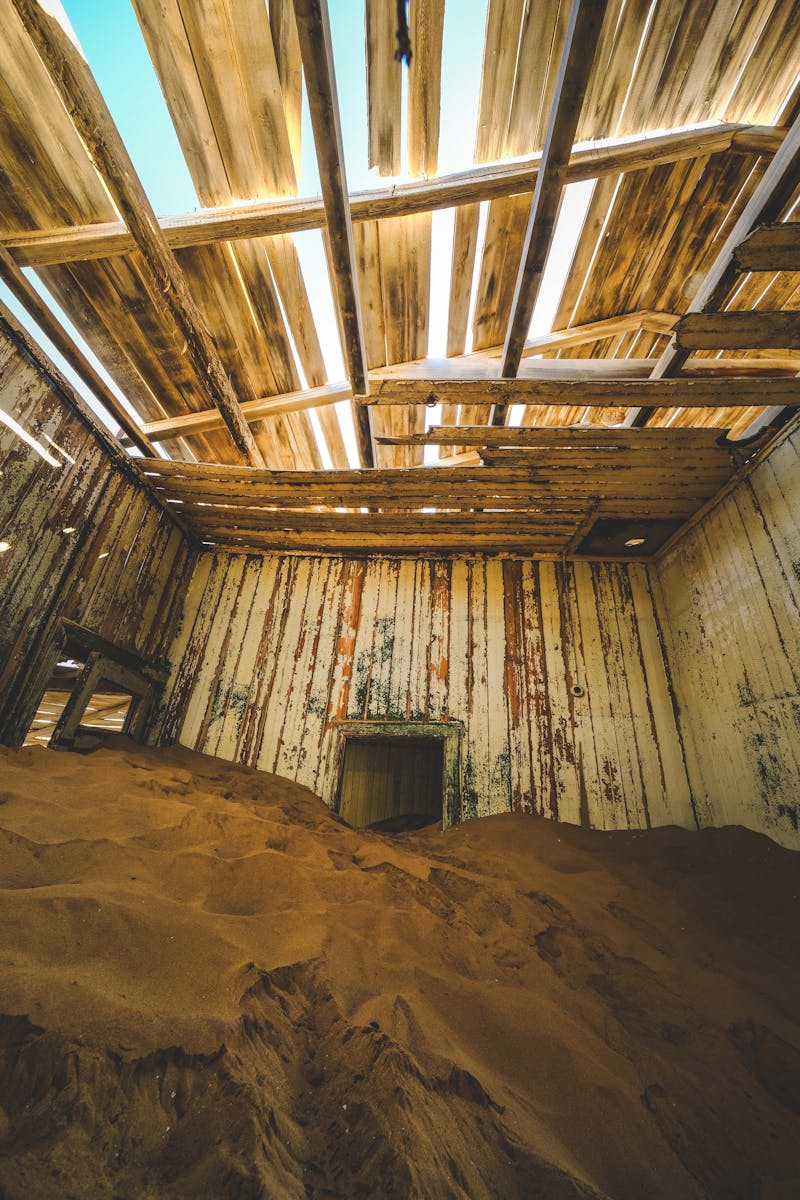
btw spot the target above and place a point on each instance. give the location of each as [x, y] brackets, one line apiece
[268, 218]
[36, 308]
[601, 393]
[739, 330]
[166, 285]
[551, 436]
[580, 44]
[755, 381]
[773, 247]
[317, 54]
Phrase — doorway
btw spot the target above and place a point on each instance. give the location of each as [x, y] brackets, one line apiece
[396, 774]
[391, 783]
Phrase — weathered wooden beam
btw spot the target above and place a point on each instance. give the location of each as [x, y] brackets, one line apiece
[659, 393]
[317, 53]
[580, 45]
[552, 436]
[485, 182]
[734, 330]
[36, 308]
[462, 375]
[167, 288]
[774, 247]
[253, 410]
[768, 201]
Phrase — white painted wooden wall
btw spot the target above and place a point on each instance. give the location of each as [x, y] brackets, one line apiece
[728, 599]
[272, 649]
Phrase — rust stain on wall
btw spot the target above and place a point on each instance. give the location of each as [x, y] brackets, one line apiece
[272, 649]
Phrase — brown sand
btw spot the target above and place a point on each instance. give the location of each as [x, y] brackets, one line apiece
[213, 988]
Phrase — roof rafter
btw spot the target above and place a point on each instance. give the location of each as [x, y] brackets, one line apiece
[165, 282]
[316, 51]
[580, 44]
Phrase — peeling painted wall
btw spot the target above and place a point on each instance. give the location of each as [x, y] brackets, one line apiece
[121, 571]
[728, 600]
[272, 649]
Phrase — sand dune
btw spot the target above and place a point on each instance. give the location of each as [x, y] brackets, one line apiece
[213, 988]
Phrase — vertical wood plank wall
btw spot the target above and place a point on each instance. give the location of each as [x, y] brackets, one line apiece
[272, 649]
[728, 601]
[121, 571]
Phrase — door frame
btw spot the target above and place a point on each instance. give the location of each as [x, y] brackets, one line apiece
[449, 733]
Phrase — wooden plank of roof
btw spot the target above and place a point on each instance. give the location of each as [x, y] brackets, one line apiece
[503, 20]
[405, 287]
[227, 222]
[541, 39]
[734, 330]
[424, 86]
[217, 64]
[765, 205]
[317, 54]
[33, 304]
[384, 88]
[82, 99]
[290, 72]
[580, 43]
[773, 247]
[605, 393]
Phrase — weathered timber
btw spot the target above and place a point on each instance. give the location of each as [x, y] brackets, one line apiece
[268, 218]
[167, 288]
[551, 436]
[254, 410]
[774, 247]
[766, 204]
[735, 330]
[662, 393]
[577, 57]
[35, 307]
[317, 54]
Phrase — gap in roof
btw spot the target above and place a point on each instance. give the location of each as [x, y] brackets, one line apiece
[114, 48]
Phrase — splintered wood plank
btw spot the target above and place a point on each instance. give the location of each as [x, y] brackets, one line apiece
[384, 83]
[424, 86]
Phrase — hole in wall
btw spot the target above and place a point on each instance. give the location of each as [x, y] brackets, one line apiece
[391, 784]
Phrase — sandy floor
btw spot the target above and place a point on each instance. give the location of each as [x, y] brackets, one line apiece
[212, 988]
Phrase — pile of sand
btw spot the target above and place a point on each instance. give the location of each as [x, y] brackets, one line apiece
[214, 988]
